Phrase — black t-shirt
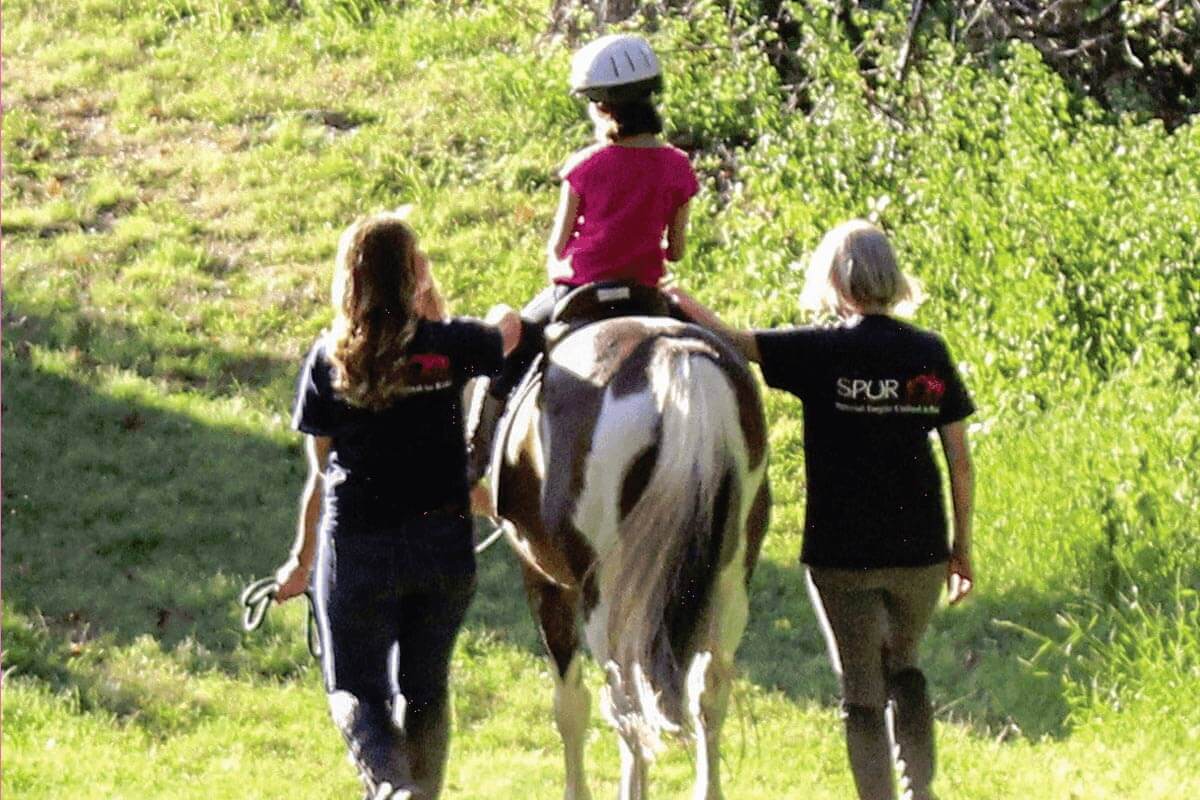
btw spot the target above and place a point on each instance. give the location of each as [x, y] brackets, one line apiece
[872, 390]
[387, 467]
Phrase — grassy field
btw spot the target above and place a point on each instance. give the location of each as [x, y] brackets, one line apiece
[175, 177]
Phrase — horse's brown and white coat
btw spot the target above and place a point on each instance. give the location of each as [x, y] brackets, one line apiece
[635, 485]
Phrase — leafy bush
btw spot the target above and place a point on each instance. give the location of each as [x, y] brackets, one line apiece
[1136, 56]
[1109, 657]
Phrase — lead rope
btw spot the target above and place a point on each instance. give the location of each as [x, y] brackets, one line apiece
[492, 537]
[257, 598]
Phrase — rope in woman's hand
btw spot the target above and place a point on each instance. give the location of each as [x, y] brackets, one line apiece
[257, 598]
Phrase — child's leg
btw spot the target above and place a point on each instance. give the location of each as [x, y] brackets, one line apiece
[484, 419]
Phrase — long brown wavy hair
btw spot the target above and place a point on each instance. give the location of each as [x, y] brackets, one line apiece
[374, 286]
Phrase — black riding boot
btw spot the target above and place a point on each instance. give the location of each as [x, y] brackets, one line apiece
[376, 745]
[914, 730]
[482, 421]
[870, 752]
[481, 433]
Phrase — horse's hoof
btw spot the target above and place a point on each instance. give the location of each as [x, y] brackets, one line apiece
[385, 791]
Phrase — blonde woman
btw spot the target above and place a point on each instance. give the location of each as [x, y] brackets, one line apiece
[875, 543]
[384, 513]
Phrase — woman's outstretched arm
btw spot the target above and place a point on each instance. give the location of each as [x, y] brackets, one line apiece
[509, 324]
[701, 315]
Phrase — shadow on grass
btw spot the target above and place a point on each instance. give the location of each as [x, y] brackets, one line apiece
[122, 520]
[499, 608]
[191, 364]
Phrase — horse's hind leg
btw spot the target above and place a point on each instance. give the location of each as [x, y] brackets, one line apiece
[710, 680]
[634, 770]
[555, 608]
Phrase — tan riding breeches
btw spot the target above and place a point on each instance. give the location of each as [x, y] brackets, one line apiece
[873, 621]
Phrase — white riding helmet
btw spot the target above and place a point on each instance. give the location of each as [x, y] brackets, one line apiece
[616, 68]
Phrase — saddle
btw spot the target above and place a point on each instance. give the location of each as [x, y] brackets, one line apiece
[594, 302]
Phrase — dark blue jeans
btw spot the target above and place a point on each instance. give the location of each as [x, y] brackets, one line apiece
[389, 609]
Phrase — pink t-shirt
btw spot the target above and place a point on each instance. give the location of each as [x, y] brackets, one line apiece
[627, 197]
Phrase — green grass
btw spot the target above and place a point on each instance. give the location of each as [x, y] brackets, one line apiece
[176, 176]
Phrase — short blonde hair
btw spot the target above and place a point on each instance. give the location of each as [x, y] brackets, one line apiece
[854, 269]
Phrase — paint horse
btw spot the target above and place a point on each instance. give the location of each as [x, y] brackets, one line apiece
[632, 477]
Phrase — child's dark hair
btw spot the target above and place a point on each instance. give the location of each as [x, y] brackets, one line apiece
[630, 118]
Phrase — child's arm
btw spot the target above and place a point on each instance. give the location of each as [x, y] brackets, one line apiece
[960, 578]
[677, 233]
[564, 227]
[742, 340]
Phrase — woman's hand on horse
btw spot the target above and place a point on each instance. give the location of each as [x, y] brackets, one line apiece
[293, 580]
[509, 323]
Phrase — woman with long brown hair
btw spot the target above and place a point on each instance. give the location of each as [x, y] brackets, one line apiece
[384, 513]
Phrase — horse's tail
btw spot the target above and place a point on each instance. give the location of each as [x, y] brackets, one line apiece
[673, 541]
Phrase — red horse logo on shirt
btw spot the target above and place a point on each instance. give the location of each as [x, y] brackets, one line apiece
[925, 390]
[429, 367]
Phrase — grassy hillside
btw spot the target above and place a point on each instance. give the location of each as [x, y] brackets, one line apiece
[175, 178]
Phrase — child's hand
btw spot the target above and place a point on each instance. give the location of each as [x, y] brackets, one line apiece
[558, 269]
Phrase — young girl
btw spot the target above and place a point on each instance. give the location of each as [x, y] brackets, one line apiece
[623, 210]
[875, 540]
[379, 403]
